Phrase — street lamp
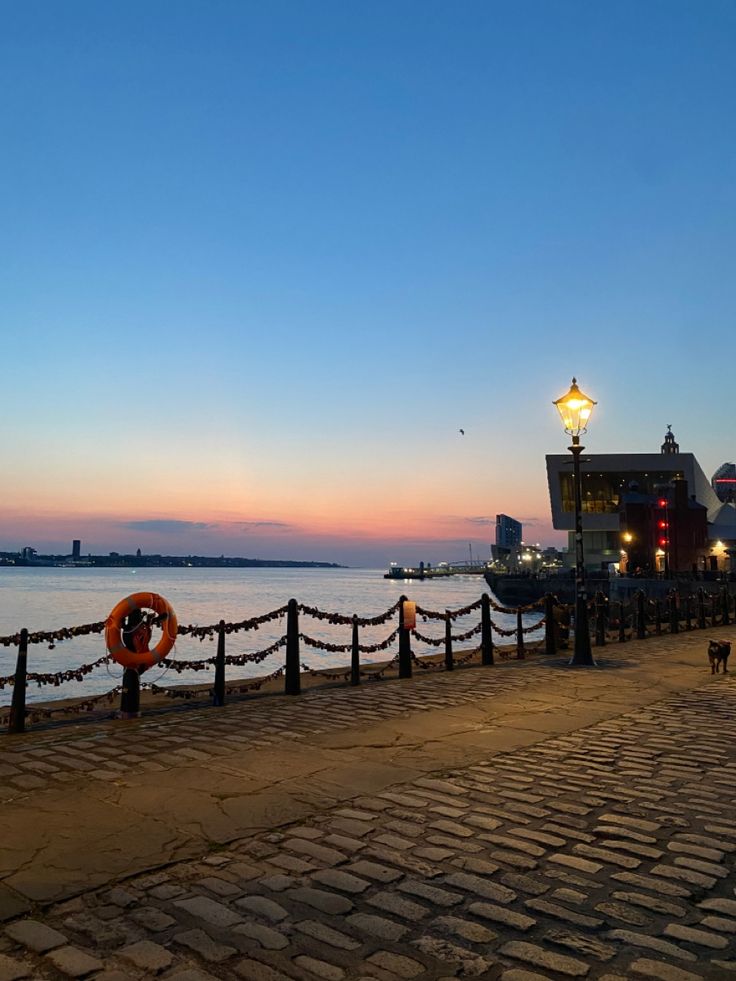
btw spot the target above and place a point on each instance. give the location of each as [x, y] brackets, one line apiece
[575, 409]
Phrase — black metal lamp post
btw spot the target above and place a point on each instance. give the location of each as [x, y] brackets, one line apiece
[575, 409]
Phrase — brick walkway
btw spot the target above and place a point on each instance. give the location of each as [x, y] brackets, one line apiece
[607, 852]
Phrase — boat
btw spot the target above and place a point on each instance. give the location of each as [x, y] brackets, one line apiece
[420, 572]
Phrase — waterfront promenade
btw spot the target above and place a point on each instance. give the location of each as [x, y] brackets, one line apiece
[519, 822]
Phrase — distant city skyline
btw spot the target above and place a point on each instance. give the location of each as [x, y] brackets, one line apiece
[301, 281]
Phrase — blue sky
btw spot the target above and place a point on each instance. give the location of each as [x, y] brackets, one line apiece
[259, 263]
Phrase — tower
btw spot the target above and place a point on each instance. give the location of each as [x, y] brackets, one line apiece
[669, 447]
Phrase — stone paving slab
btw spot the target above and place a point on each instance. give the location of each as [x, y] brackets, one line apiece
[602, 850]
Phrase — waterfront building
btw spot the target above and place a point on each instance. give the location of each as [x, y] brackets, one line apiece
[654, 511]
[76, 548]
[508, 531]
[508, 541]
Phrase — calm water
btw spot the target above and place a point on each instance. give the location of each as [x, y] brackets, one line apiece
[47, 599]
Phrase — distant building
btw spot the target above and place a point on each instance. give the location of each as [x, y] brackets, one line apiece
[76, 548]
[723, 482]
[508, 531]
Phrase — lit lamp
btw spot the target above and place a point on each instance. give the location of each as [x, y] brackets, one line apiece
[575, 409]
[628, 538]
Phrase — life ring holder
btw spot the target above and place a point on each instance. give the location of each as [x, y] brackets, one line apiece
[114, 625]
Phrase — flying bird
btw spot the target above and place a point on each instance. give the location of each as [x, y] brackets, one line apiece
[462, 432]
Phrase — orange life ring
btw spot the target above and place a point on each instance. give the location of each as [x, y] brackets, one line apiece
[113, 630]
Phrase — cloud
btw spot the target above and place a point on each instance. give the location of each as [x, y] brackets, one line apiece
[248, 525]
[166, 525]
[484, 520]
[172, 526]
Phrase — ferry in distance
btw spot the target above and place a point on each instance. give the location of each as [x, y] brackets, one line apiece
[441, 571]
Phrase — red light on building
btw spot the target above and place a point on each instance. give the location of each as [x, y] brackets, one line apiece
[662, 542]
[661, 503]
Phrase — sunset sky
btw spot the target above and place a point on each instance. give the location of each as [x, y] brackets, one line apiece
[261, 262]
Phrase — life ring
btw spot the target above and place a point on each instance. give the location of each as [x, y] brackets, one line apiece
[114, 624]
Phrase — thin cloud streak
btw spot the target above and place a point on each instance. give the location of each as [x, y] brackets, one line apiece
[166, 525]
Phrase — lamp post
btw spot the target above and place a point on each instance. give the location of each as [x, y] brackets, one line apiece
[575, 409]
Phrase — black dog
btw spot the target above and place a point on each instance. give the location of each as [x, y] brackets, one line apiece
[718, 651]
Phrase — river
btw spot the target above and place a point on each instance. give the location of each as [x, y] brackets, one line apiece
[50, 598]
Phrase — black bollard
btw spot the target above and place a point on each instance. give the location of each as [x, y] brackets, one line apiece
[550, 646]
[641, 616]
[486, 631]
[17, 721]
[355, 654]
[218, 693]
[621, 623]
[689, 612]
[600, 619]
[657, 618]
[674, 611]
[293, 681]
[404, 644]
[449, 663]
[726, 607]
[520, 655]
[701, 608]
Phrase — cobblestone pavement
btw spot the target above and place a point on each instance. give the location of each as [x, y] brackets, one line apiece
[162, 742]
[43, 759]
[607, 852]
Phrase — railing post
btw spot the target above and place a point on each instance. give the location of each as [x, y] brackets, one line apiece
[600, 619]
[218, 694]
[621, 623]
[657, 617]
[689, 611]
[486, 631]
[641, 622]
[449, 663]
[726, 607]
[714, 609]
[519, 637]
[550, 647]
[404, 643]
[355, 654]
[701, 608]
[130, 696]
[17, 721]
[293, 672]
[674, 611]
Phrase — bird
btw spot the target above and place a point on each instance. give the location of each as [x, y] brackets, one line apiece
[462, 432]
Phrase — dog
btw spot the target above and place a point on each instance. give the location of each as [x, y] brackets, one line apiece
[718, 651]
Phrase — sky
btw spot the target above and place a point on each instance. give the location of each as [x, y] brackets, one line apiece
[260, 263]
